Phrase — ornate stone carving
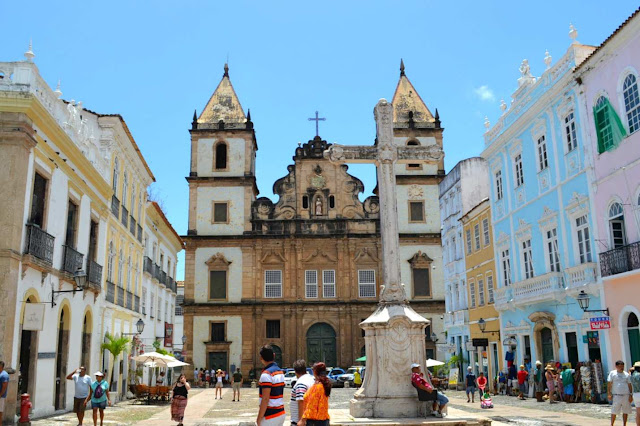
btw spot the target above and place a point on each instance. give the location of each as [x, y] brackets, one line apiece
[366, 254]
[272, 256]
[415, 191]
[218, 261]
[317, 253]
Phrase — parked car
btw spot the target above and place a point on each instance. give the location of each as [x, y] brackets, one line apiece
[348, 376]
[290, 378]
[333, 375]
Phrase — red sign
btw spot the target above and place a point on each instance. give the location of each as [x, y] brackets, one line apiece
[600, 323]
[168, 335]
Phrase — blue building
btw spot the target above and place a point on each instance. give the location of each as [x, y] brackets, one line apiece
[542, 222]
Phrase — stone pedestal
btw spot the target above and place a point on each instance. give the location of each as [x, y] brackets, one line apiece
[394, 339]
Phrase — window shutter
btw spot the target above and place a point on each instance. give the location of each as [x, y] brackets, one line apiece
[599, 115]
[218, 284]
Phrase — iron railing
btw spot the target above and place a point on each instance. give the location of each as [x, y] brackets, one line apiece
[621, 259]
[111, 292]
[163, 277]
[94, 273]
[72, 260]
[139, 233]
[132, 226]
[148, 265]
[39, 243]
[156, 272]
[125, 216]
[115, 206]
[136, 303]
[129, 300]
[121, 296]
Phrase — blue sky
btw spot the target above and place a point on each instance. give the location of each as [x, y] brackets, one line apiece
[155, 62]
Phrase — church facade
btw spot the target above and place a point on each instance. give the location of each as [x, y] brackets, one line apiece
[302, 272]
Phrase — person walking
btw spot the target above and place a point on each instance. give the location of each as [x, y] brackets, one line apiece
[196, 374]
[635, 387]
[522, 380]
[236, 384]
[304, 381]
[4, 384]
[82, 385]
[566, 377]
[619, 392]
[512, 379]
[471, 384]
[316, 400]
[99, 396]
[357, 378]
[550, 377]
[179, 399]
[219, 376]
[271, 390]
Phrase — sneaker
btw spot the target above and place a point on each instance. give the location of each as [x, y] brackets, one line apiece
[439, 415]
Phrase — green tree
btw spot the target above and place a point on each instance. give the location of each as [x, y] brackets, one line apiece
[115, 345]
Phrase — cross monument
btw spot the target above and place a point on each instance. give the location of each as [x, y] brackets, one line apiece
[394, 333]
[317, 119]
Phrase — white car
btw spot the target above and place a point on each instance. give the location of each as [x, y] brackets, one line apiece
[290, 379]
[348, 376]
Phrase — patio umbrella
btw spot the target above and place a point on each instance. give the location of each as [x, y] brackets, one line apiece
[177, 363]
[155, 357]
[362, 359]
[433, 363]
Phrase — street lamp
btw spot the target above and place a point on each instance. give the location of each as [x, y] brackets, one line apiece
[434, 337]
[184, 339]
[139, 327]
[482, 325]
[80, 280]
[584, 299]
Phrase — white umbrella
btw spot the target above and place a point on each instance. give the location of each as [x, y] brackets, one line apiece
[433, 363]
[158, 359]
[177, 363]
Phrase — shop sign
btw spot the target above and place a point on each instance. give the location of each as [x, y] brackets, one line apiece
[168, 335]
[469, 345]
[593, 339]
[480, 342]
[600, 323]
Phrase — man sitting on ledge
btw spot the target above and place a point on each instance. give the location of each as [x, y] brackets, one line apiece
[419, 382]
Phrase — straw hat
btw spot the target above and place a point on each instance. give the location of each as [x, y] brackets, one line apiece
[637, 364]
[550, 367]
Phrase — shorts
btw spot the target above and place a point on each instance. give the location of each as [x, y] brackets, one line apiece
[471, 389]
[620, 405]
[523, 387]
[237, 385]
[78, 405]
[101, 405]
[276, 421]
[636, 399]
[2, 402]
[568, 389]
[218, 384]
[442, 399]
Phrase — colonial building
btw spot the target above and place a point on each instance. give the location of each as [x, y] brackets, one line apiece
[461, 189]
[611, 107]
[542, 221]
[299, 273]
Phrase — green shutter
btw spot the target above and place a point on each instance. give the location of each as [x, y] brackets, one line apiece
[599, 117]
[217, 284]
[609, 128]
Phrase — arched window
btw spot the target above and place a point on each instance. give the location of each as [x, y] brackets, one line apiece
[116, 172]
[414, 166]
[616, 225]
[221, 156]
[631, 102]
[633, 337]
[632, 321]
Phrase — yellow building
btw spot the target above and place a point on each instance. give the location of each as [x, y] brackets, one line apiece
[481, 279]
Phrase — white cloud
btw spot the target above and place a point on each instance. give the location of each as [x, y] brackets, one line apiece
[484, 93]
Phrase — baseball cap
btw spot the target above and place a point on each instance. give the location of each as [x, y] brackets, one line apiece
[414, 365]
[98, 373]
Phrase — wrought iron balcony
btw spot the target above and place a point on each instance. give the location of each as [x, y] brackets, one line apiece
[132, 225]
[121, 296]
[111, 292]
[581, 275]
[39, 244]
[139, 233]
[136, 303]
[621, 259]
[94, 273]
[129, 300]
[148, 265]
[162, 277]
[115, 206]
[72, 260]
[125, 216]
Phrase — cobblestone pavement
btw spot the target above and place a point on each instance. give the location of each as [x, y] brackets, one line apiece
[204, 409]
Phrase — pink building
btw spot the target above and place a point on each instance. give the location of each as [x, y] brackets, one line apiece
[610, 99]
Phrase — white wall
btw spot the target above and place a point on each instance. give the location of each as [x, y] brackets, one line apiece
[204, 210]
[235, 157]
[435, 253]
[431, 209]
[234, 277]
[201, 334]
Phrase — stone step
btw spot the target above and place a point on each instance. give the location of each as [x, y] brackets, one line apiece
[414, 422]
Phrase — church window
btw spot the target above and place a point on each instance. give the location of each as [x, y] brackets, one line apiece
[414, 165]
[468, 234]
[490, 288]
[543, 161]
[311, 284]
[329, 283]
[476, 235]
[217, 285]
[485, 231]
[472, 291]
[305, 201]
[332, 202]
[218, 332]
[631, 102]
[517, 161]
[416, 211]
[272, 284]
[499, 185]
[570, 131]
[480, 292]
[421, 283]
[367, 283]
[273, 329]
[220, 212]
[527, 259]
[221, 156]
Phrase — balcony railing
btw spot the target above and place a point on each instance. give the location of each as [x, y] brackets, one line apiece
[72, 260]
[125, 216]
[162, 277]
[581, 275]
[129, 300]
[148, 265]
[448, 319]
[94, 273]
[115, 206]
[621, 259]
[156, 272]
[136, 303]
[132, 225]
[121, 296]
[111, 292]
[461, 317]
[503, 296]
[39, 244]
[536, 289]
[139, 233]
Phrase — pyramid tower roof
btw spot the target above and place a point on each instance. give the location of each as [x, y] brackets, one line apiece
[223, 105]
[406, 99]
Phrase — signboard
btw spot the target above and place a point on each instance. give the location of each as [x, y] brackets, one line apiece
[480, 342]
[168, 335]
[33, 316]
[453, 377]
[593, 339]
[469, 345]
[600, 323]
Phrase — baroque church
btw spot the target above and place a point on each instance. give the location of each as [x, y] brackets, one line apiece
[300, 273]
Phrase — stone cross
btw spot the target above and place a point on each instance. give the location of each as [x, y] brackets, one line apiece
[385, 154]
[317, 119]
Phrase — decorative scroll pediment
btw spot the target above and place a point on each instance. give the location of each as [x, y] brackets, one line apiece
[420, 259]
[523, 232]
[218, 261]
[578, 205]
[319, 254]
[366, 254]
[272, 256]
[549, 219]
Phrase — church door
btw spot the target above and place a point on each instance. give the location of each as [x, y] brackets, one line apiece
[547, 345]
[218, 360]
[321, 344]
[633, 333]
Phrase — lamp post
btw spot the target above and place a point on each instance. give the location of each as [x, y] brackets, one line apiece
[80, 280]
[584, 300]
[139, 328]
[482, 325]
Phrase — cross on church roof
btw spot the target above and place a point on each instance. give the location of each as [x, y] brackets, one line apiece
[316, 119]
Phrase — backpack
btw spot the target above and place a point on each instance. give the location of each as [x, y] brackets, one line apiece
[99, 391]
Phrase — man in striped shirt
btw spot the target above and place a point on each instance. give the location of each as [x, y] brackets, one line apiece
[271, 411]
[303, 382]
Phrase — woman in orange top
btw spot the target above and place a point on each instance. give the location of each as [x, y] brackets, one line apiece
[316, 400]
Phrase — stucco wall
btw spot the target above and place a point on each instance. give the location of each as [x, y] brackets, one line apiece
[235, 157]
[201, 334]
[431, 209]
[234, 277]
[427, 169]
[435, 253]
[236, 213]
